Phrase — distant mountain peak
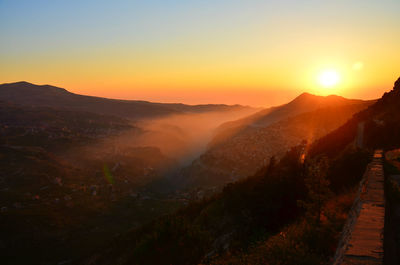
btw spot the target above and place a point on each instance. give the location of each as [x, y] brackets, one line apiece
[305, 94]
[334, 96]
[21, 83]
[307, 98]
[25, 93]
[309, 95]
[27, 85]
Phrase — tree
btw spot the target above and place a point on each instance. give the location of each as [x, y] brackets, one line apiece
[318, 189]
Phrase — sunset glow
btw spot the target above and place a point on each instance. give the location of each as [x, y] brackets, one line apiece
[244, 52]
[199, 132]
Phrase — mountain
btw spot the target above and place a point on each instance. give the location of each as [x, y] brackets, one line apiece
[25, 93]
[304, 103]
[379, 126]
[263, 219]
[64, 176]
[73, 192]
[71, 166]
[32, 138]
[241, 147]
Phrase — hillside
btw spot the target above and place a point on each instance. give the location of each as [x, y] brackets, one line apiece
[62, 179]
[381, 122]
[306, 118]
[25, 93]
[290, 212]
[304, 103]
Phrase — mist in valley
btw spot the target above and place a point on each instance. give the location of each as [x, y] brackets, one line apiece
[180, 137]
[152, 150]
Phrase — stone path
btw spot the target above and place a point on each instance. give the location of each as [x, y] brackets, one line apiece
[365, 245]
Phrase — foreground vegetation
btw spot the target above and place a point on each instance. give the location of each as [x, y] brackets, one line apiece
[263, 212]
[290, 212]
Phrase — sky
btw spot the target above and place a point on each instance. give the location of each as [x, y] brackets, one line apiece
[249, 52]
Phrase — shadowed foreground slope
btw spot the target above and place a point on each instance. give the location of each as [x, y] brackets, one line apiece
[259, 220]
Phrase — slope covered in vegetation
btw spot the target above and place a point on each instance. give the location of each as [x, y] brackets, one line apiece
[290, 212]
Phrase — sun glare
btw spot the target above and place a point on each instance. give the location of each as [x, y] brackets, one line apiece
[329, 78]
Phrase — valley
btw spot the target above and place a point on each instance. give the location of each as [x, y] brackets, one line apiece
[83, 178]
[200, 132]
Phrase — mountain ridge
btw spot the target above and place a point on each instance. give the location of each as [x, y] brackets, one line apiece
[26, 93]
[238, 151]
[306, 101]
[221, 229]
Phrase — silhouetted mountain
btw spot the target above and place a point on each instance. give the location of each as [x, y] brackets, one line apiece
[304, 103]
[66, 207]
[259, 220]
[25, 93]
[240, 148]
[377, 127]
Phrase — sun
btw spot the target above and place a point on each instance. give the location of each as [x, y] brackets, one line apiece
[329, 78]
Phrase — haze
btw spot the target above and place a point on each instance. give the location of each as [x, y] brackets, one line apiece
[181, 137]
[202, 51]
[199, 132]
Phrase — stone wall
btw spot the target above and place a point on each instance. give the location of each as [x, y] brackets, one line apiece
[362, 237]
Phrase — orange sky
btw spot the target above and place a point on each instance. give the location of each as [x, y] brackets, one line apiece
[252, 52]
